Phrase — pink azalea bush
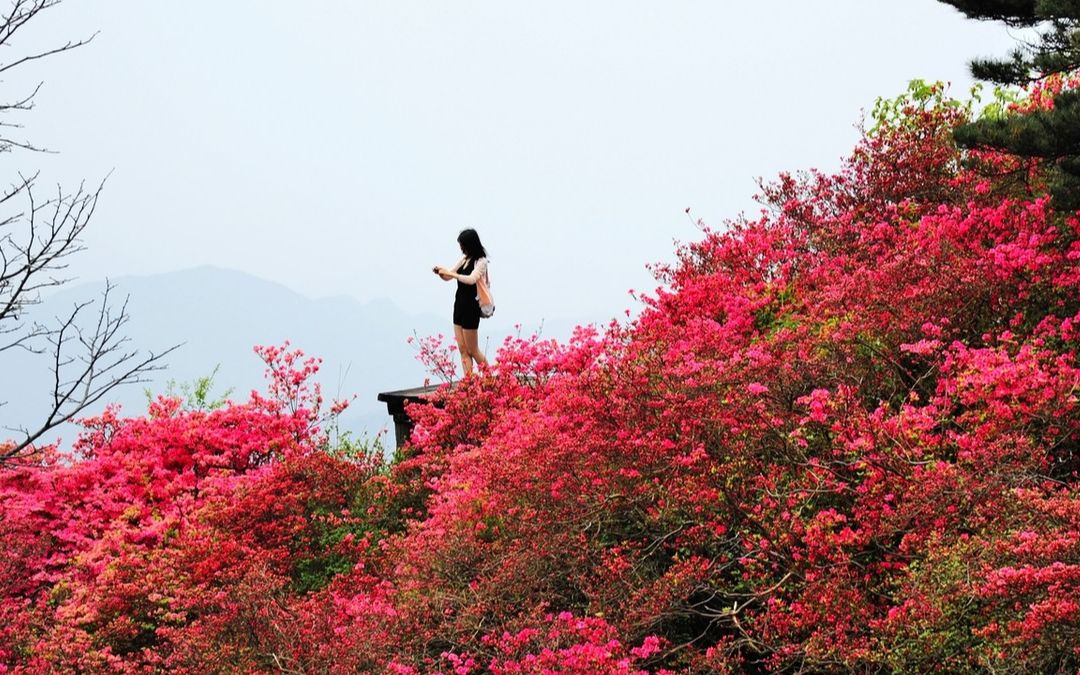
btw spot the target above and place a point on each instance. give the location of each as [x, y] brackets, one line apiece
[841, 436]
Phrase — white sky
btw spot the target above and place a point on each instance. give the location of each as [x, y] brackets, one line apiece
[338, 147]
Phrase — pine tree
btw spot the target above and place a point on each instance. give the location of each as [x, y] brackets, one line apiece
[1051, 135]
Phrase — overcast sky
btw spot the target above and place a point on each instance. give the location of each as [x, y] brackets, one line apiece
[338, 147]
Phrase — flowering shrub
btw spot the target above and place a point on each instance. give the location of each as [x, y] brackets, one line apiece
[841, 436]
[829, 442]
[176, 540]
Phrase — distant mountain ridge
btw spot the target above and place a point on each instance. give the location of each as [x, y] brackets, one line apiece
[220, 314]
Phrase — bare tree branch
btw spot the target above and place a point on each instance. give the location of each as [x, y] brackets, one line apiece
[40, 55]
[90, 354]
[88, 361]
[18, 15]
[32, 262]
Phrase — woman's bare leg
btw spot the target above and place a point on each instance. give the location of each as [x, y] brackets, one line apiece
[463, 348]
[472, 344]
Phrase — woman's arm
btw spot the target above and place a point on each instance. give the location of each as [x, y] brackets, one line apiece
[446, 273]
[478, 271]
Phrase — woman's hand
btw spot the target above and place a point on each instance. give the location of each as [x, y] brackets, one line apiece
[443, 273]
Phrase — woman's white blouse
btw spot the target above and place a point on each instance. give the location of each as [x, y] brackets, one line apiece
[480, 268]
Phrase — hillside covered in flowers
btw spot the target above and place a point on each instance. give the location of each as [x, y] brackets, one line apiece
[841, 436]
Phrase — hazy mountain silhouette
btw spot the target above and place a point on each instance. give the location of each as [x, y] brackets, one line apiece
[219, 315]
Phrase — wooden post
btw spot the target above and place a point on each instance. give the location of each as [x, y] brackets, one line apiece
[395, 405]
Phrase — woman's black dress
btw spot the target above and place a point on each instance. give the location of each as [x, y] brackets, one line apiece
[466, 306]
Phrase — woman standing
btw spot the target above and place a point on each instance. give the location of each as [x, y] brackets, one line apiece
[467, 271]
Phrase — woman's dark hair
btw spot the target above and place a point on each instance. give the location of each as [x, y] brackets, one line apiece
[470, 244]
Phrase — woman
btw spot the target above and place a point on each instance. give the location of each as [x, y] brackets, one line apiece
[470, 269]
